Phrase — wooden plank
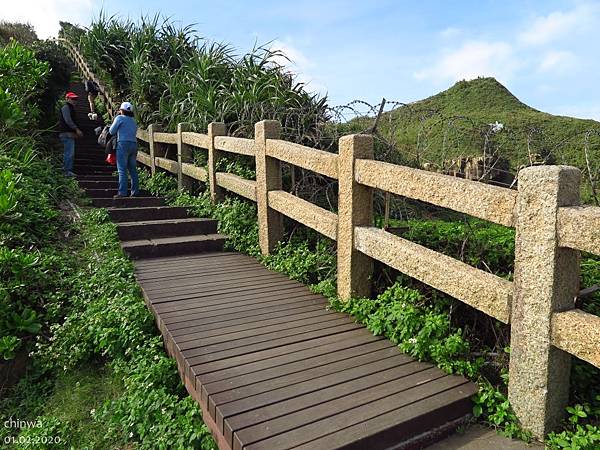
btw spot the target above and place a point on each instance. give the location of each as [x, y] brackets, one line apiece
[177, 259]
[255, 326]
[205, 355]
[271, 301]
[248, 363]
[386, 430]
[315, 359]
[253, 329]
[152, 273]
[219, 306]
[291, 296]
[219, 343]
[385, 380]
[315, 422]
[187, 270]
[216, 289]
[249, 319]
[167, 164]
[202, 279]
[265, 398]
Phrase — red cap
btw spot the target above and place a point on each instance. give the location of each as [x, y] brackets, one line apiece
[72, 95]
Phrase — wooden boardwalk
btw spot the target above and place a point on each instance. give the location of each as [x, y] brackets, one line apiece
[270, 366]
[273, 368]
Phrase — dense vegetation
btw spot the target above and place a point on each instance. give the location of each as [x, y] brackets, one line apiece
[73, 324]
[172, 76]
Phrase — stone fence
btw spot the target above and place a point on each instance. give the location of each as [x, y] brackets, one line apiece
[551, 230]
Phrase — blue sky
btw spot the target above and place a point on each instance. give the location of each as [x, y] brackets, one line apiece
[545, 52]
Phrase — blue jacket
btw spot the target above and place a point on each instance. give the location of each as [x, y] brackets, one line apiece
[125, 128]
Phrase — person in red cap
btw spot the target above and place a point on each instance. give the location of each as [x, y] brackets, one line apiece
[69, 130]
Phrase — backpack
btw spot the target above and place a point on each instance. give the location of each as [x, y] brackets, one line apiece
[104, 136]
[107, 140]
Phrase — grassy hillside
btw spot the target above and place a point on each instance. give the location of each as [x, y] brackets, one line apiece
[456, 124]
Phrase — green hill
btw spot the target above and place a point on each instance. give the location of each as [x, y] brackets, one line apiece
[482, 117]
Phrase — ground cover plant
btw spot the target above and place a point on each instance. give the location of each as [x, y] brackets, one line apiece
[73, 325]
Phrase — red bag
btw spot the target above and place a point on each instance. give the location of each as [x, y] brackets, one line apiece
[111, 159]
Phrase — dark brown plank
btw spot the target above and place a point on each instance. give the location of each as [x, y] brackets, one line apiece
[223, 261]
[201, 283]
[220, 343]
[392, 377]
[199, 310]
[290, 363]
[312, 423]
[282, 292]
[387, 430]
[248, 363]
[219, 290]
[278, 304]
[202, 355]
[237, 401]
[249, 318]
[254, 327]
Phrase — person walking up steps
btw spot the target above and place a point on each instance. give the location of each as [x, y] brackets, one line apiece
[69, 130]
[124, 128]
[92, 89]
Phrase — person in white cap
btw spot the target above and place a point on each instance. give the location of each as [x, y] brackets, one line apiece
[124, 128]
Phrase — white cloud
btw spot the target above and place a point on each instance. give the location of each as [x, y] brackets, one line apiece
[558, 62]
[44, 15]
[558, 24]
[471, 60]
[450, 32]
[298, 63]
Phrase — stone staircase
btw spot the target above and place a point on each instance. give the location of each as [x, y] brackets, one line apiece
[147, 227]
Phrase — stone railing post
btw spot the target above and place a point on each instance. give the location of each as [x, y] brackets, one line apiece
[268, 178]
[214, 129]
[546, 280]
[355, 208]
[184, 155]
[154, 151]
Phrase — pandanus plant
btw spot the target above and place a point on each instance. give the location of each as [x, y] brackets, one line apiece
[173, 76]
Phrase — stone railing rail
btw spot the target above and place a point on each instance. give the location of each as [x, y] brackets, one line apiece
[105, 95]
[551, 229]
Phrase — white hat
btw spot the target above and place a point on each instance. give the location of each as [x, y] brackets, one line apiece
[126, 106]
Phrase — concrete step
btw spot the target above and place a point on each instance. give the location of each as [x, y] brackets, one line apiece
[91, 161]
[151, 229]
[173, 246]
[107, 192]
[92, 177]
[99, 184]
[127, 202]
[95, 168]
[148, 213]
